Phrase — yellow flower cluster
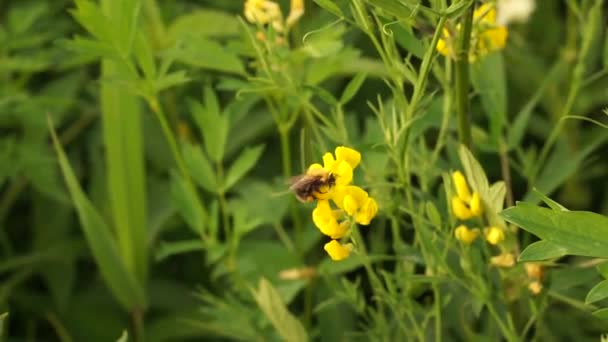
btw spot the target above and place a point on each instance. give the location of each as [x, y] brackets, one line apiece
[486, 35]
[266, 12]
[466, 206]
[353, 204]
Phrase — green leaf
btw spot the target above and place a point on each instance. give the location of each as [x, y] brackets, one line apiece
[207, 54]
[3, 318]
[123, 141]
[216, 24]
[396, 8]
[187, 203]
[579, 232]
[549, 202]
[488, 78]
[601, 313]
[474, 172]
[603, 269]
[352, 88]
[245, 162]
[542, 250]
[407, 40]
[170, 80]
[330, 6]
[598, 292]
[605, 59]
[433, 214]
[168, 249]
[199, 167]
[119, 279]
[124, 337]
[271, 303]
[212, 124]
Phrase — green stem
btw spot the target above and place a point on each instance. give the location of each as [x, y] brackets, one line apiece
[509, 335]
[138, 325]
[164, 124]
[462, 79]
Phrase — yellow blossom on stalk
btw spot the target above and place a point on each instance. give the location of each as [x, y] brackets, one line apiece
[503, 260]
[464, 205]
[494, 235]
[338, 251]
[326, 220]
[332, 182]
[535, 287]
[264, 12]
[356, 202]
[268, 12]
[296, 10]
[486, 35]
[466, 235]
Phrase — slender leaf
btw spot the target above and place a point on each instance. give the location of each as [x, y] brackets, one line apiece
[598, 292]
[542, 250]
[199, 167]
[271, 303]
[245, 162]
[352, 88]
[330, 6]
[105, 250]
[186, 201]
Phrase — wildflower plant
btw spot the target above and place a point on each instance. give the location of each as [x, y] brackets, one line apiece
[353, 204]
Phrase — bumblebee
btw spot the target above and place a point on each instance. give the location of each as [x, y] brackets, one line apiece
[308, 186]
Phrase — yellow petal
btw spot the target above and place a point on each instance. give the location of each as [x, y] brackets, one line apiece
[466, 235]
[338, 194]
[296, 10]
[314, 168]
[460, 183]
[485, 13]
[367, 212]
[350, 205]
[503, 260]
[535, 287]
[328, 161]
[338, 251]
[495, 38]
[494, 235]
[343, 172]
[460, 209]
[475, 205]
[351, 156]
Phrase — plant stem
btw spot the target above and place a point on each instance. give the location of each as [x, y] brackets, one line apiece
[462, 79]
[138, 325]
[164, 124]
[509, 335]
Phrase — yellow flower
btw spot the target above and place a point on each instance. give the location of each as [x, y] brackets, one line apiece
[535, 287]
[475, 205]
[503, 260]
[338, 251]
[356, 202]
[296, 10]
[354, 205]
[460, 209]
[494, 235]
[466, 235]
[486, 35]
[534, 270]
[326, 220]
[264, 12]
[464, 206]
